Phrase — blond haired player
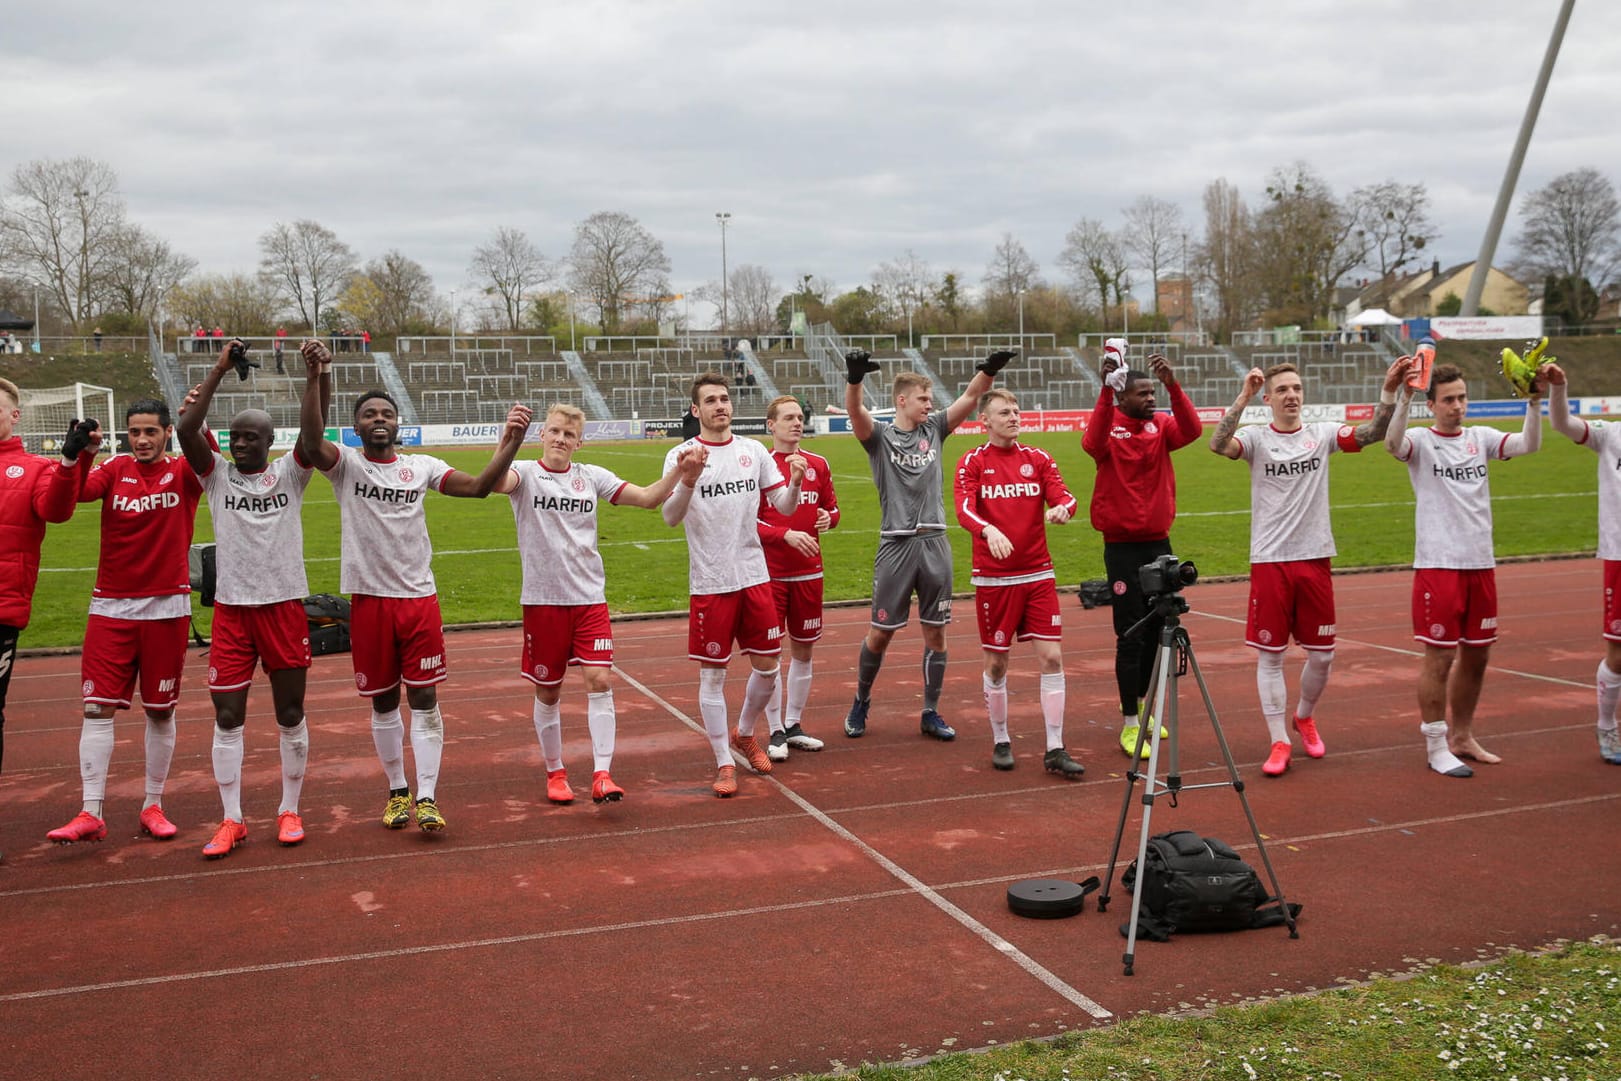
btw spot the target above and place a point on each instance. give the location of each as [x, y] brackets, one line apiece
[555, 502]
[793, 555]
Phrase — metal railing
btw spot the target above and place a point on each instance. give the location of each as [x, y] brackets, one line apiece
[517, 344]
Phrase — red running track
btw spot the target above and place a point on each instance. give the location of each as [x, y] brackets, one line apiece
[848, 908]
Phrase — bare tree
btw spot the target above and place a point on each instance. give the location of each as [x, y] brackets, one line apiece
[143, 271]
[393, 294]
[242, 303]
[1395, 223]
[1226, 257]
[1571, 228]
[905, 284]
[1305, 242]
[1011, 269]
[753, 297]
[507, 267]
[1153, 232]
[58, 222]
[1096, 262]
[307, 264]
[616, 263]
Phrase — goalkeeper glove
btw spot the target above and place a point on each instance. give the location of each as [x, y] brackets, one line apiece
[857, 364]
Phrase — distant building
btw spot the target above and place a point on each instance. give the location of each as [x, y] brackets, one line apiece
[1176, 303]
[1420, 294]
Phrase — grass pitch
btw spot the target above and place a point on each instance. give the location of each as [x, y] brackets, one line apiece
[1546, 503]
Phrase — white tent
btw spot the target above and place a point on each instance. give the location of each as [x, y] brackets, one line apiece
[1373, 317]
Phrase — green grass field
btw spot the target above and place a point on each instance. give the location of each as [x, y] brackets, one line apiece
[1543, 504]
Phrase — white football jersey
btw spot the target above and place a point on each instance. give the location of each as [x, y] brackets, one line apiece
[1604, 436]
[723, 544]
[1289, 517]
[1453, 521]
[258, 531]
[386, 552]
[556, 514]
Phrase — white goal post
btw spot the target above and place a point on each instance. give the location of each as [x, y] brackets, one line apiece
[47, 411]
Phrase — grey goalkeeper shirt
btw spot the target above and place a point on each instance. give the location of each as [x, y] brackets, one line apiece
[906, 471]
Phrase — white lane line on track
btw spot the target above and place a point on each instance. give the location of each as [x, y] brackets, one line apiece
[914, 884]
[1405, 652]
[441, 947]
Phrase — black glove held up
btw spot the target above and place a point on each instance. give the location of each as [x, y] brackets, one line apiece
[857, 364]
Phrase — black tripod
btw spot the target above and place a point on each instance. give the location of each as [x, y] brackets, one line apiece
[1174, 659]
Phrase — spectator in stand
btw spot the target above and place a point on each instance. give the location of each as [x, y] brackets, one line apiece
[96, 334]
[281, 341]
[219, 338]
[198, 337]
[365, 341]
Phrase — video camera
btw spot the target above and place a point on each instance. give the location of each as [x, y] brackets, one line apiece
[1166, 575]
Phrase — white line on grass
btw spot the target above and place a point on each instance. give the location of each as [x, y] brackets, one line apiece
[917, 886]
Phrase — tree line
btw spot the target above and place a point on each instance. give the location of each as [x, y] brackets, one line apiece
[1272, 257]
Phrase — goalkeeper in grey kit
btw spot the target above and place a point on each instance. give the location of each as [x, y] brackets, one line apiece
[914, 555]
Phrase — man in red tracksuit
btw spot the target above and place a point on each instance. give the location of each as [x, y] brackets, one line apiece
[1133, 505]
[33, 491]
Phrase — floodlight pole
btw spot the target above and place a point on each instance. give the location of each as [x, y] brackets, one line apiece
[1021, 318]
[1516, 158]
[723, 217]
[453, 324]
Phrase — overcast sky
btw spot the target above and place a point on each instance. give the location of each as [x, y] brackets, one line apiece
[837, 134]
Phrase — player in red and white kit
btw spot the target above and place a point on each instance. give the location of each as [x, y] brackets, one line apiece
[33, 491]
[139, 612]
[1454, 577]
[565, 603]
[1291, 543]
[395, 626]
[1006, 493]
[728, 581]
[793, 556]
[256, 507]
[1604, 438]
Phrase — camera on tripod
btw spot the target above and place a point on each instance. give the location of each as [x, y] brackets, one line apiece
[1166, 575]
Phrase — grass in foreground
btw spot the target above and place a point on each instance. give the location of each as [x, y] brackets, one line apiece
[1544, 503]
[1544, 1017]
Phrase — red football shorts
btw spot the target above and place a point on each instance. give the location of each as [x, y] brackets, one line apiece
[799, 605]
[558, 635]
[1451, 606]
[746, 616]
[116, 650]
[278, 634]
[1612, 599]
[1294, 598]
[396, 640]
[1017, 612]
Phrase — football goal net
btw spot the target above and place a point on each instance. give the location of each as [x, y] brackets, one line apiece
[47, 411]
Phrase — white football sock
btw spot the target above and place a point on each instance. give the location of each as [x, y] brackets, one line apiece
[799, 688]
[599, 717]
[295, 756]
[388, 736]
[549, 730]
[996, 706]
[1314, 680]
[712, 708]
[1274, 694]
[427, 747]
[1052, 708]
[159, 755]
[760, 689]
[1442, 760]
[228, 769]
[95, 756]
[1609, 692]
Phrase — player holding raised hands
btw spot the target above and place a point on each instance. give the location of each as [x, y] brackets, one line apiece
[723, 477]
[1291, 542]
[397, 633]
[1006, 493]
[913, 555]
[555, 502]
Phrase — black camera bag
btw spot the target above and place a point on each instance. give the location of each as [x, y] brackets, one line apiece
[328, 615]
[1197, 884]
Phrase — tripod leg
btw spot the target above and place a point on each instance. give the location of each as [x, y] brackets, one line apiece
[1238, 787]
[1132, 774]
[1164, 687]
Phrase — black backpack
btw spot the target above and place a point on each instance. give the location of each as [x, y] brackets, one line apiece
[329, 623]
[1198, 884]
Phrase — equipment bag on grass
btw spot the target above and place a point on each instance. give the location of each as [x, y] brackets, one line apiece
[1195, 884]
[329, 623]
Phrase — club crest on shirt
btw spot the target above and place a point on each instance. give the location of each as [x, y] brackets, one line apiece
[14, 472]
[1310, 444]
[360, 680]
[712, 648]
[810, 473]
[744, 461]
[1001, 638]
[1265, 637]
[923, 446]
[1027, 470]
[883, 614]
[406, 475]
[579, 484]
[1470, 448]
[1119, 589]
[540, 671]
[1436, 630]
[213, 673]
[88, 689]
[1150, 428]
[165, 479]
[267, 481]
